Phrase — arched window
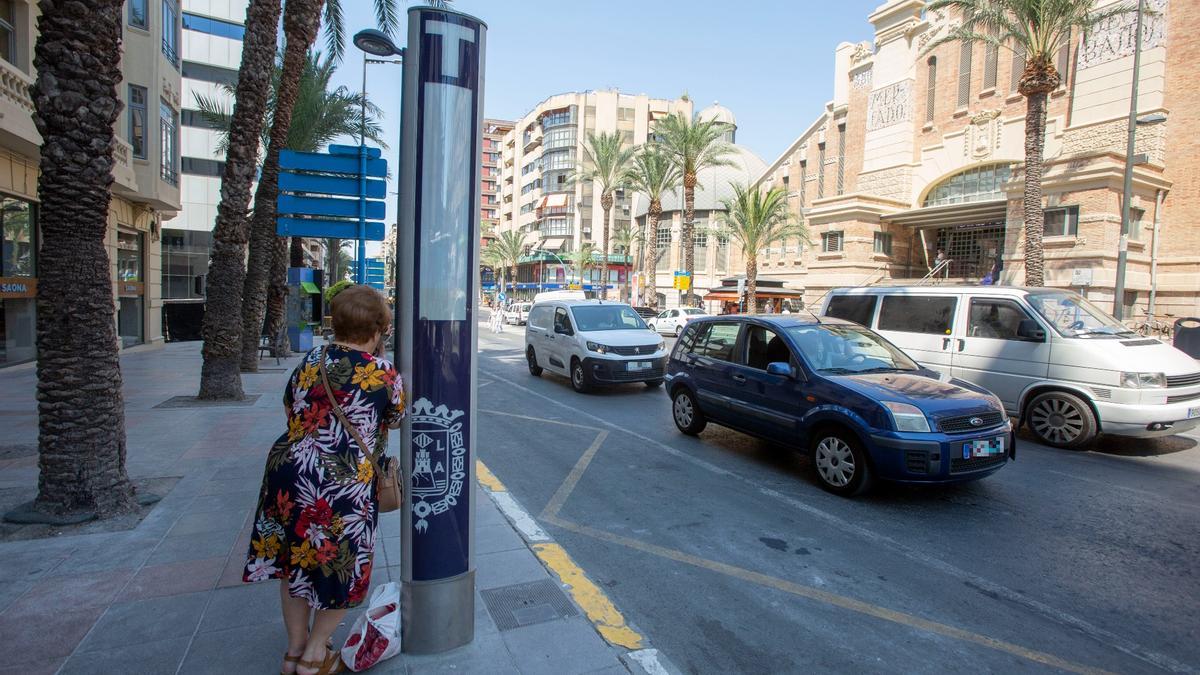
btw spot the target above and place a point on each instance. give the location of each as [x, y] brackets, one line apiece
[980, 184]
[930, 88]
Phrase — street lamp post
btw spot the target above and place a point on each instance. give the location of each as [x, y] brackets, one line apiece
[556, 257]
[1127, 188]
[376, 42]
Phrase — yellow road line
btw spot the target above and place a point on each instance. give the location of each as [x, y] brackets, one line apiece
[828, 598]
[488, 479]
[600, 610]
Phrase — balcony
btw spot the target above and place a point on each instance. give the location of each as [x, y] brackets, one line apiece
[169, 51]
[123, 174]
[531, 139]
[558, 119]
[16, 108]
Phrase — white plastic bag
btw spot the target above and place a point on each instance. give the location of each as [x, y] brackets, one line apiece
[376, 633]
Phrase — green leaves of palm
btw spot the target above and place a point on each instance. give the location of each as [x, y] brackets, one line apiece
[1036, 28]
[652, 173]
[757, 219]
[387, 16]
[605, 161]
[582, 258]
[321, 114]
[692, 147]
[624, 237]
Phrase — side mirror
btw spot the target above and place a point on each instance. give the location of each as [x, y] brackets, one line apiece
[780, 368]
[1029, 329]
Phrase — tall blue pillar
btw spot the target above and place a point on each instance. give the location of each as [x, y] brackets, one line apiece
[437, 291]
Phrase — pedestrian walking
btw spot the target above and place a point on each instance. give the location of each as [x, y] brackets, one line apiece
[314, 528]
[498, 319]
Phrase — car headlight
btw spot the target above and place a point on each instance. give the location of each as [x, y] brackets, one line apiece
[999, 405]
[597, 347]
[662, 344]
[1143, 380]
[907, 417]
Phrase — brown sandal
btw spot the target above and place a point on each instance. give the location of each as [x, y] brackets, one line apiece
[288, 658]
[332, 663]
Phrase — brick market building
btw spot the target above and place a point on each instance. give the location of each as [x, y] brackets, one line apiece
[922, 152]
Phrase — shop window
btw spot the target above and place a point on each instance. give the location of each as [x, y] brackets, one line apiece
[137, 120]
[19, 252]
[883, 243]
[131, 288]
[1061, 222]
[831, 242]
[930, 314]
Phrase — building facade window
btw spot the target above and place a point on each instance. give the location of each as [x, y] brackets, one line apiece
[1018, 68]
[207, 73]
[624, 114]
[8, 31]
[139, 13]
[964, 75]
[1062, 63]
[18, 260]
[1061, 222]
[195, 166]
[559, 138]
[973, 185]
[170, 32]
[883, 243]
[662, 246]
[169, 134]
[820, 170]
[700, 246]
[831, 242]
[930, 88]
[193, 118]
[803, 179]
[991, 63]
[552, 161]
[137, 120]
[210, 26]
[841, 159]
[558, 118]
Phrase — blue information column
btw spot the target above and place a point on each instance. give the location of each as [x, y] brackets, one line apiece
[437, 288]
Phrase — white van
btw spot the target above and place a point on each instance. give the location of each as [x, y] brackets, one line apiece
[517, 313]
[593, 342]
[1063, 366]
[559, 295]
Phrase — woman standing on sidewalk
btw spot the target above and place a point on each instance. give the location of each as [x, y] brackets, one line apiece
[315, 524]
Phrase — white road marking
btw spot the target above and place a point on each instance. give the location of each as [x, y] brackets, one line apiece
[648, 660]
[519, 517]
[1095, 632]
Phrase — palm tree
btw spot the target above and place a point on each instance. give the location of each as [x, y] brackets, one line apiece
[507, 249]
[653, 175]
[757, 219]
[220, 376]
[582, 258]
[623, 240]
[605, 163]
[1036, 29]
[321, 115]
[81, 411]
[692, 147]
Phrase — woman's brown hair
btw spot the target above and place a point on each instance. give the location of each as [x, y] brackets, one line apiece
[359, 314]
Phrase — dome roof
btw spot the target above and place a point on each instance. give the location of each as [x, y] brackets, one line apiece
[712, 184]
[717, 113]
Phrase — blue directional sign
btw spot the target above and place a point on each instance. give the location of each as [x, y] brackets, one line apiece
[375, 273]
[337, 195]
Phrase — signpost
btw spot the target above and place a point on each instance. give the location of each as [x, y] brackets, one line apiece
[375, 273]
[334, 195]
[436, 296]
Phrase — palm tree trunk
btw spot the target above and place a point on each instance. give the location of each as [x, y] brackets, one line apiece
[334, 247]
[649, 259]
[277, 291]
[604, 254]
[219, 376]
[296, 252]
[752, 283]
[686, 232]
[1035, 139]
[81, 411]
[300, 22]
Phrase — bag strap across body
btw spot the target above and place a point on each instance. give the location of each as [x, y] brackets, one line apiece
[341, 415]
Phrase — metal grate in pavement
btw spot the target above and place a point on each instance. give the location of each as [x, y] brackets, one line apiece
[526, 604]
[193, 402]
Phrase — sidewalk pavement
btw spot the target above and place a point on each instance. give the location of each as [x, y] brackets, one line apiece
[166, 596]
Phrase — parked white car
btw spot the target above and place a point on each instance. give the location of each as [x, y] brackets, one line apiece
[1062, 365]
[593, 342]
[517, 313]
[673, 321]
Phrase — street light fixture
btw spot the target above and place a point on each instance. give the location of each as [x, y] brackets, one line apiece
[376, 43]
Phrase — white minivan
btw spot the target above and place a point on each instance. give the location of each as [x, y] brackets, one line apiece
[1062, 365]
[593, 342]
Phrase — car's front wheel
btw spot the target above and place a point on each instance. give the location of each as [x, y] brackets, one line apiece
[686, 413]
[534, 369]
[579, 377]
[1061, 420]
[841, 463]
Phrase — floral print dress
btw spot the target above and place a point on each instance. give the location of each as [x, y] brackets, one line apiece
[316, 517]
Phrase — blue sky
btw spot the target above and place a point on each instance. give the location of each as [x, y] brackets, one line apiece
[771, 63]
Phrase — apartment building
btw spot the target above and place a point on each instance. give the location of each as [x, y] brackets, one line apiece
[146, 174]
[537, 197]
[489, 175]
[921, 152]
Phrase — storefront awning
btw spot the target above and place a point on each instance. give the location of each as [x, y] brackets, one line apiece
[730, 293]
[966, 214]
[309, 287]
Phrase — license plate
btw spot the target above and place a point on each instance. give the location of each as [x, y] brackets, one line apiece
[637, 365]
[989, 447]
[1193, 412]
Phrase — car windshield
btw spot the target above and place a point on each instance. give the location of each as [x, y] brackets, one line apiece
[606, 317]
[844, 349]
[693, 311]
[1073, 316]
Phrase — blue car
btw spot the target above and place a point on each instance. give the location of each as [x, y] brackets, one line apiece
[860, 406]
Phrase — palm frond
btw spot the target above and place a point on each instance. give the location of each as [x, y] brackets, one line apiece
[217, 114]
[693, 146]
[757, 219]
[605, 161]
[334, 25]
[652, 173]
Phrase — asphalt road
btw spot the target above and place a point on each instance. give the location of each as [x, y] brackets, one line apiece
[724, 552]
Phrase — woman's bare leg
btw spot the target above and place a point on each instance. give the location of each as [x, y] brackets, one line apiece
[295, 618]
[323, 625]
